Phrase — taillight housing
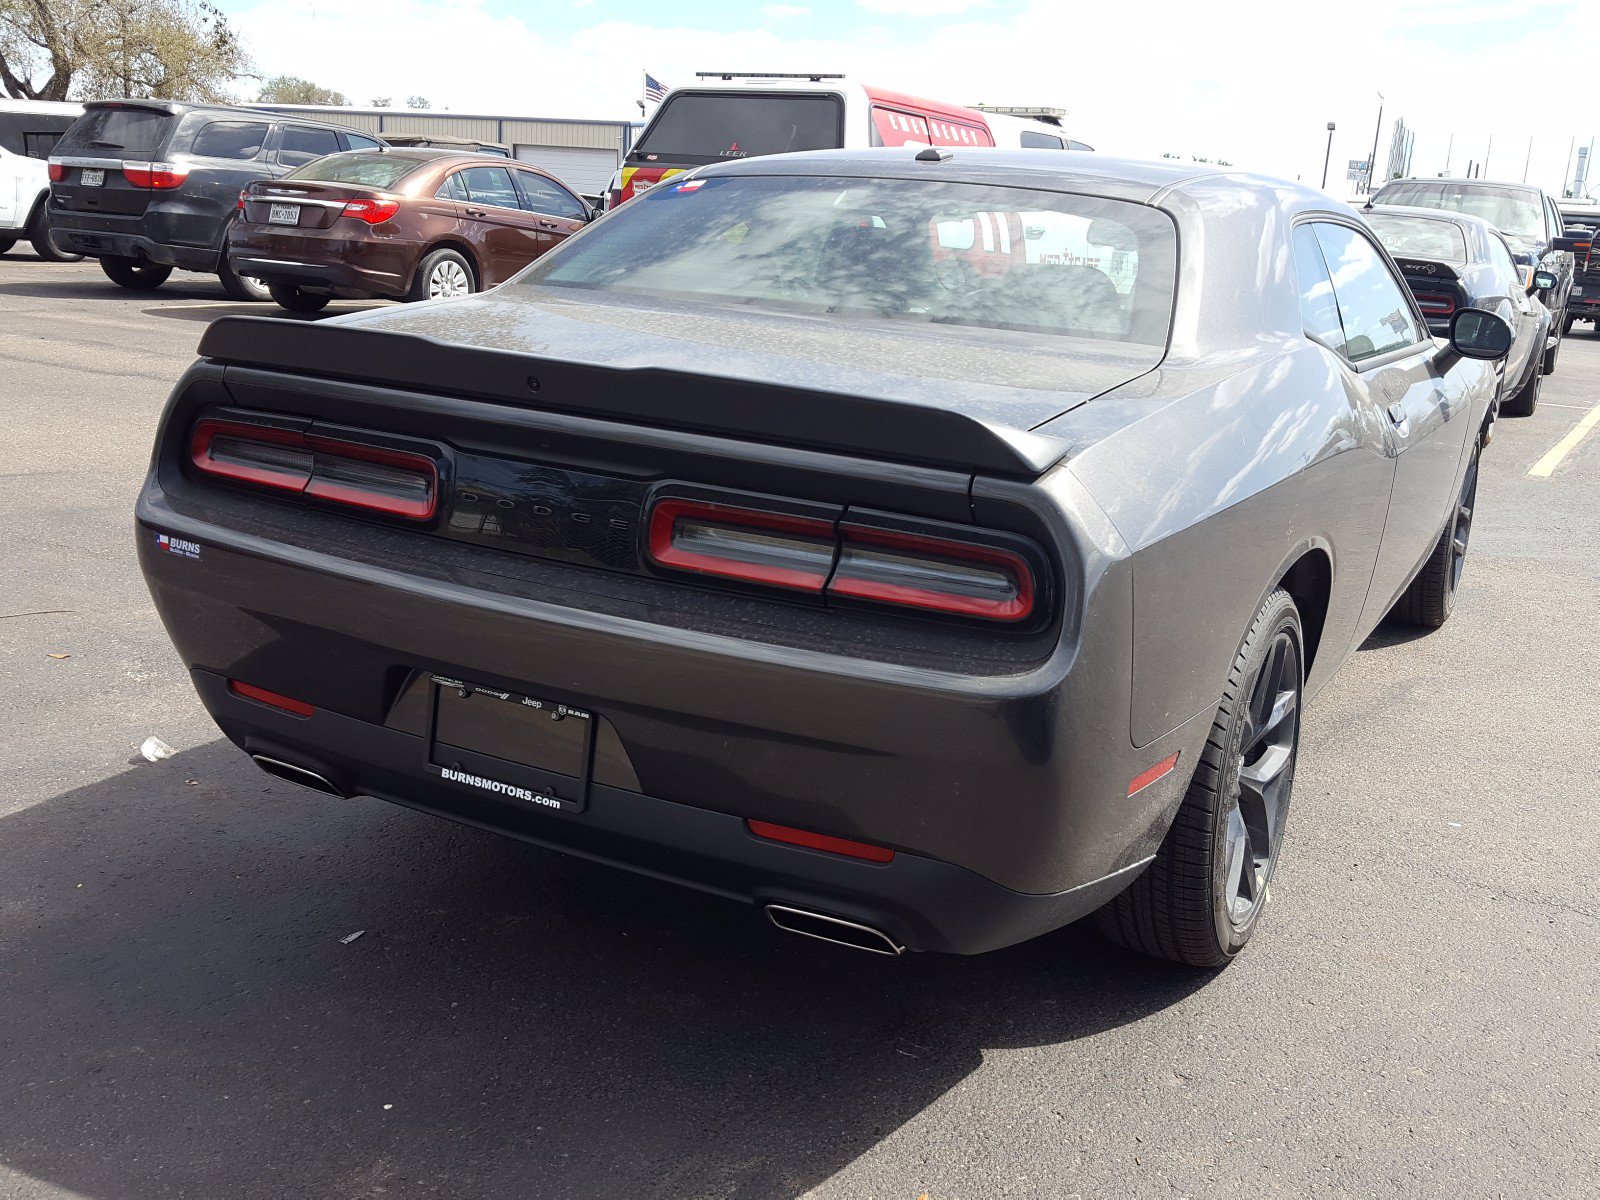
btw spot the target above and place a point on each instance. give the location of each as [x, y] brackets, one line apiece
[243, 196]
[1435, 304]
[373, 212]
[58, 172]
[160, 176]
[376, 479]
[947, 571]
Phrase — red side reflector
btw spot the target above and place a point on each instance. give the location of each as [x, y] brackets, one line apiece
[289, 705]
[777, 549]
[1145, 778]
[820, 841]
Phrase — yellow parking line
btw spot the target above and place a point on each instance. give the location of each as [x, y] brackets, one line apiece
[1546, 465]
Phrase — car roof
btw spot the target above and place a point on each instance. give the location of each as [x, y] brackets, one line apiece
[1134, 179]
[179, 107]
[1468, 183]
[1466, 220]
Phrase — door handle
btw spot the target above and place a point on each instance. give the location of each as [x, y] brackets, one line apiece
[548, 225]
[1397, 414]
[476, 212]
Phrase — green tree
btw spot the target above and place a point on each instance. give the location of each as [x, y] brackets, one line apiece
[291, 89]
[382, 102]
[95, 49]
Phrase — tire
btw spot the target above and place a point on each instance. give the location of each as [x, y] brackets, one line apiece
[1547, 365]
[133, 274]
[1201, 899]
[6, 244]
[297, 299]
[1566, 324]
[39, 238]
[1526, 398]
[440, 275]
[242, 287]
[1431, 597]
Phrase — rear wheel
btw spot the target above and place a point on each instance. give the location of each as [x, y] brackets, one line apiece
[1566, 324]
[242, 287]
[297, 299]
[1431, 597]
[1526, 398]
[39, 238]
[443, 274]
[1200, 900]
[134, 274]
[6, 244]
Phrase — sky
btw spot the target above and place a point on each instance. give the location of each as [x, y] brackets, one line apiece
[1254, 83]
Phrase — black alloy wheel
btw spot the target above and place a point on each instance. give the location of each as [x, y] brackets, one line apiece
[1431, 596]
[1201, 899]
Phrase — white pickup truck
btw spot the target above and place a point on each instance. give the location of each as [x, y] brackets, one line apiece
[29, 129]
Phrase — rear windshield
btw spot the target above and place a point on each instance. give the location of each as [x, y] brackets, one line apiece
[941, 253]
[702, 127]
[365, 168]
[1511, 210]
[117, 130]
[1418, 237]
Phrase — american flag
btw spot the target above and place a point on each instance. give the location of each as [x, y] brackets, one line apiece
[654, 90]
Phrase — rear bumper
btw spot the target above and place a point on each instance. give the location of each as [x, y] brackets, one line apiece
[921, 903]
[69, 238]
[344, 278]
[348, 257]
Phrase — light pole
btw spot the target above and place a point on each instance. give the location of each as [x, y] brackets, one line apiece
[1372, 163]
[1326, 156]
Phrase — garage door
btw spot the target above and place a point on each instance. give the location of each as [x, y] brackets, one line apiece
[585, 171]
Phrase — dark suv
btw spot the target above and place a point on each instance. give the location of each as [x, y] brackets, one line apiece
[149, 185]
[1528, 218]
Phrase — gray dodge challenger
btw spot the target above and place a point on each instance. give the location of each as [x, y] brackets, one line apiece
[930, 547]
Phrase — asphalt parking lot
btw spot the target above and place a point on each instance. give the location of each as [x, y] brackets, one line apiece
[185, 1014]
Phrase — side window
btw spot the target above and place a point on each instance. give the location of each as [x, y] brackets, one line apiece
[300, 144]
[1319, 312]
[452, 189]
[540, 195]
[356, 141]
[240, 140]
[1373, 305]
[491, 186]
[1040, 141]
[1505, 267]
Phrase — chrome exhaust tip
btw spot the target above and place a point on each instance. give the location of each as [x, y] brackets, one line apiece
[304, 776]
[833, 929]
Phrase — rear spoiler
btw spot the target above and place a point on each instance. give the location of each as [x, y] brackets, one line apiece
[1443, 272]
[831, 421]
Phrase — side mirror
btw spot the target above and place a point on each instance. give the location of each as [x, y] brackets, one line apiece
[1475, 333]
[1543, 281]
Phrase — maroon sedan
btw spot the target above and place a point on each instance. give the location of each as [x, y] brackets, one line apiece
[402, 224]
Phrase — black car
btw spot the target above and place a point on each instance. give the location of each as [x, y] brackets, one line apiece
[1452, 261]
[1528, 217]
[147, 186]
[918, 545]
[1582, 221]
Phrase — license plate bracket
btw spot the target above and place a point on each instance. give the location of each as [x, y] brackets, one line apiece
[93, 177]
[283, 214]
[521, 748]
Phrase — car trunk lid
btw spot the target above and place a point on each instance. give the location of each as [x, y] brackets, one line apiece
[108, 162]
[302, 203]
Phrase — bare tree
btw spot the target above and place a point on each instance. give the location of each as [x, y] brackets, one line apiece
[94, 49]
[418, 102]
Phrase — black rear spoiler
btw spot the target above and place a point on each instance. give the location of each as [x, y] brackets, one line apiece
[859, 425]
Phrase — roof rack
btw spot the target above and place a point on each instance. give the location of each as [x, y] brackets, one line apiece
[813, 76]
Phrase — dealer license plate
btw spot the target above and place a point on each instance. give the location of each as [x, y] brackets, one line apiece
[93, 177]
[283, 214]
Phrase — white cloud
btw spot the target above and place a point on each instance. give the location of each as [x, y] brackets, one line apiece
[1255, 83]
[785, 12]
[922, 8]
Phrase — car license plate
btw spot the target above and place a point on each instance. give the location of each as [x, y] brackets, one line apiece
[1577, 291]
[283, 214]
[93, 177]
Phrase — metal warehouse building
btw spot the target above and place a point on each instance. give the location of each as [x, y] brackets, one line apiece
[584, 154]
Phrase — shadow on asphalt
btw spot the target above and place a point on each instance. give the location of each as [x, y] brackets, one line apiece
[1393, 633]
[181, 1016]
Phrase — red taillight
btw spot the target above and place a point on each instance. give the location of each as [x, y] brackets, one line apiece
[243, 196]
[261, 696]
[930, 573]
[1435, 304]
[777, 549]
[820, 841]
[160, 176]
[373, 212]
[58, 172]
[392, 482]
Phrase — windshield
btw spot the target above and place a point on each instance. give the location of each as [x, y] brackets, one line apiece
[1418, 237]
[122, 130]
[1510, 210]
[948, 253]
[363, 168]
[702, 127]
